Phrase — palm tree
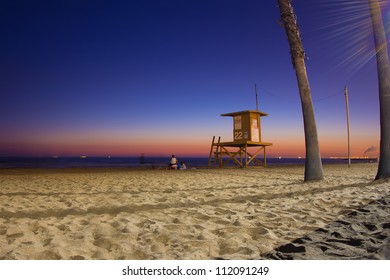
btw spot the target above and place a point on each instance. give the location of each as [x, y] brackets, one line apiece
[383, 68]
[313, 164]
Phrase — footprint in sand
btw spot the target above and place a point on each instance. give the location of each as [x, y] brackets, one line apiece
[162, 199]
[63, 227]
[139, 254]
[115, 224]
[201, 237]
[38, 229]
[158, 247]
[125, 230]
[255, 233]
[47, 255]
[104, 243]
[230, 247]
[12, 237]
[221, 221]
[370, 226]
[68, 204]
[220, 211]
[3, 230]
[385, 225]
[162, 238]
[84, 222]
[202, 217]
[146, 224]
[77, 257]
[47, 241]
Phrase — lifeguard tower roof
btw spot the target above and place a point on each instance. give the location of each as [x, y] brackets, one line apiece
[262, 114]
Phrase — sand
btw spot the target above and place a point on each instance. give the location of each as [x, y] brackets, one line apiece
[252, 213]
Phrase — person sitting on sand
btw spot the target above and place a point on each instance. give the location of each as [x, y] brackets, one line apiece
[173, 163]
[182, 166]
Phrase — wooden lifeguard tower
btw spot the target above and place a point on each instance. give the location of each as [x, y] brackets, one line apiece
[246, 136]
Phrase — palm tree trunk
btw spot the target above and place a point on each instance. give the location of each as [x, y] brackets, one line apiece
[383, 68]
[313, 164]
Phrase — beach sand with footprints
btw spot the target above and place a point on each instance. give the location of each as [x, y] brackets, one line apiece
[197, 214]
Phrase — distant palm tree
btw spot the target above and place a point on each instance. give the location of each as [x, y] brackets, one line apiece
[382, 59]
[313, 164]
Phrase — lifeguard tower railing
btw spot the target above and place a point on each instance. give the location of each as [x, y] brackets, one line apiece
[241, 154]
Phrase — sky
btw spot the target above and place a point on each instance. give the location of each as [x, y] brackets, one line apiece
[122, 78]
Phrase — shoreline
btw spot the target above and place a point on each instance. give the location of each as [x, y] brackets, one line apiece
[135, 162]
[161, 167]
[228, 213]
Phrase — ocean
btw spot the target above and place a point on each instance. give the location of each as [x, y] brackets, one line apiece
[134, 162]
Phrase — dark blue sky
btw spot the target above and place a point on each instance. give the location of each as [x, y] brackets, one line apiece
[125, 77]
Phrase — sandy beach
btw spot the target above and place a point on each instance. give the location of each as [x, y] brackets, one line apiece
[252, 213]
